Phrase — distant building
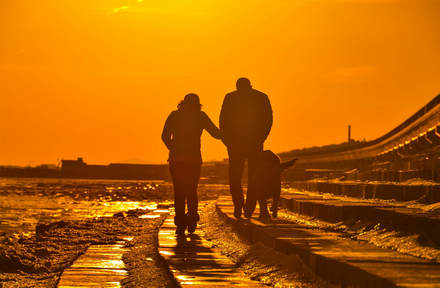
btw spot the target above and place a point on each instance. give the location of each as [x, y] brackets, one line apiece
[212, 172]
[79, 169]
[73, 164]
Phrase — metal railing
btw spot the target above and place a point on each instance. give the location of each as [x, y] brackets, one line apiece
[418, 125]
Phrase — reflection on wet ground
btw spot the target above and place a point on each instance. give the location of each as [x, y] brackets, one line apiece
[149, 216]
[63, 205]
[100, 266]
[26, 202]
[194, 261]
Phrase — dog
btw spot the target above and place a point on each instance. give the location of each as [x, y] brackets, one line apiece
[268, 181]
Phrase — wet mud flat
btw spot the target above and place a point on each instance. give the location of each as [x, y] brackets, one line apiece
[39, 260]
[25, 203]
[94, 214]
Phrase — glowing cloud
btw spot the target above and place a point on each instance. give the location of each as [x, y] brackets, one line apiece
[116, 10]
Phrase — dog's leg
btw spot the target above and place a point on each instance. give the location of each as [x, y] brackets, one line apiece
[264, 212]
[276, 195]
[276, 200]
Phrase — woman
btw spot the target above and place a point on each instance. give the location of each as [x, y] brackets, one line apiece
[181, 134]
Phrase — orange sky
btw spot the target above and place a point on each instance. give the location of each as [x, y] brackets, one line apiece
[97, 79]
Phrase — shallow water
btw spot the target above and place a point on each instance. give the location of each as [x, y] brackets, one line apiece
[26, 202]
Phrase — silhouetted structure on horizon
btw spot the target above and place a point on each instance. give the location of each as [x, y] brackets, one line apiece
[79, 169]
[212, 172]
[411, 150]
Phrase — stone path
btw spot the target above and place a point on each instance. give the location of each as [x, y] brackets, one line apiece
[100, 266]
[194, 261]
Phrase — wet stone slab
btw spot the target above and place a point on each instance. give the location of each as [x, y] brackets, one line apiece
[100, 266]
[195, 263]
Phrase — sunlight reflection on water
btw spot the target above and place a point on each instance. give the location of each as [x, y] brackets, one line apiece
[100, 266]
[149, 216]
[26, 202]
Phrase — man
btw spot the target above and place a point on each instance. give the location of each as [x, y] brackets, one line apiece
[245, 123]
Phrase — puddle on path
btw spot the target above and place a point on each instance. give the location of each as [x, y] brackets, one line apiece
[194, 262]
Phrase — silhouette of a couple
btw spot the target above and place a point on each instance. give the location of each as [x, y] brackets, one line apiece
[245, 123]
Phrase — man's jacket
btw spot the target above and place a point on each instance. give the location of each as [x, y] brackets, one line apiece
[245, 118]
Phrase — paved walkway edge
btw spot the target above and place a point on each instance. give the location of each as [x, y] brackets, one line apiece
[368, 190]
[403, 219]
[336, 272]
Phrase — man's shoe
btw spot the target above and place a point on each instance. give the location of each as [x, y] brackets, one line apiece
[248, 214]
[237, 212]
[248, 211]
[264, 216]
[249, 208]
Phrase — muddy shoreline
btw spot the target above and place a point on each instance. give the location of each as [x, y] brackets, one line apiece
[39, 258]
[39, 261]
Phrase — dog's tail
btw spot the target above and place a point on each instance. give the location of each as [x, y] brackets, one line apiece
[287, 164]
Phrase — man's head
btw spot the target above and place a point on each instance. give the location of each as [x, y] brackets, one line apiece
[243, 84]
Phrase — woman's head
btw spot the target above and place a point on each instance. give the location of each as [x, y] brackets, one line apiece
[191, 102]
